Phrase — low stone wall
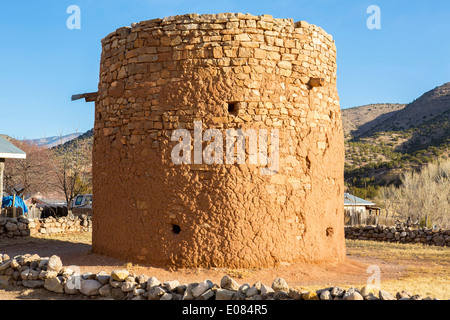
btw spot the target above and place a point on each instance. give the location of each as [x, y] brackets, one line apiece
[22, 227]
[436, 237]
[33, 271]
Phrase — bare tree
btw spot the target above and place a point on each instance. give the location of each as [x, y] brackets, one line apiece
[30, 175]
[72, 165]
[390, 201]
[423, 195]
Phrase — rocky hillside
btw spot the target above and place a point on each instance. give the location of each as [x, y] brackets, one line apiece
[359, 120]
[383, 140]
[428, 107]
[88, 136]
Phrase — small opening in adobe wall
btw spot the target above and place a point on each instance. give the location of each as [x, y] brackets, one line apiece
[176, 228]
[232, 108]
[329, 231]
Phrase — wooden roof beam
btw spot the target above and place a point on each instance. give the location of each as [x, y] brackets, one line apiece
[88, 97]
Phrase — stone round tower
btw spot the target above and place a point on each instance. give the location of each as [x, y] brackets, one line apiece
[253, 74]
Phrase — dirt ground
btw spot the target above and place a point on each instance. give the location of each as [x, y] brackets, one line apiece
[77, 251]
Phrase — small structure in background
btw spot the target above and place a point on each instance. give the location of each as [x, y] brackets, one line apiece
[359, 211]
[42, 205]
[8, 151]
[46, 198]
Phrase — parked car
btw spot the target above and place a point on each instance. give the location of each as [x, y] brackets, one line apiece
[82, 204]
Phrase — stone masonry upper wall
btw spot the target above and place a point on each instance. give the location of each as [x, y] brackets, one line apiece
[153, 52]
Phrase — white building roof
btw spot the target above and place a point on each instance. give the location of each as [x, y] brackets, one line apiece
[10, 151]
[351, 200]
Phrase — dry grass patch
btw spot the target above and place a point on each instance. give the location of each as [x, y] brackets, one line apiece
[395, 252]
[84, 237]
[427, 268]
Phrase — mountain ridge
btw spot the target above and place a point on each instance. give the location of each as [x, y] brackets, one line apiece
[382, 144]
[357, 120]
[51, 142]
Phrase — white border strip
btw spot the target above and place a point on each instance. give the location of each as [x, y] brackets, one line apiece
[13, 155]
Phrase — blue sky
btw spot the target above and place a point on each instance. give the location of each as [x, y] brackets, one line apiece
[43, 62]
